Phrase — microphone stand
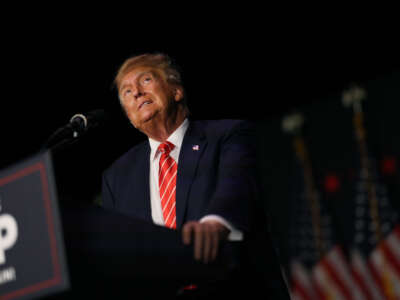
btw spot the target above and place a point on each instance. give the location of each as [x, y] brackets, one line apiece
[59, 140]
[69, 134]
[68, 164]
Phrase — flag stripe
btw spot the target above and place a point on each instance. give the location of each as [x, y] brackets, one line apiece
[337, 280]
[301, 281]
[375, 275]
[328, 288]
[339, 265]
[299, 292]
[384, 272]
[389, 255]
[393, 242]
[363, 277]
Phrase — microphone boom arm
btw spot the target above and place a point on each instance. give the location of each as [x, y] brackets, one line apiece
[77, 126]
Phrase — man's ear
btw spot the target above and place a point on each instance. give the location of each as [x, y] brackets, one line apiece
[178, 93]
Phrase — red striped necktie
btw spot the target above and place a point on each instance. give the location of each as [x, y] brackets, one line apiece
[167, 184]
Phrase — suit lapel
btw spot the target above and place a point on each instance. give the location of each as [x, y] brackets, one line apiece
[193, 146]
[141, 177]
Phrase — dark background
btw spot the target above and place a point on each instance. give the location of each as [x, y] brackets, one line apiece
[234, 66]
[250, 64]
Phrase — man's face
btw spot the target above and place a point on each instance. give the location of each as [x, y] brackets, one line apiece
[147, 97]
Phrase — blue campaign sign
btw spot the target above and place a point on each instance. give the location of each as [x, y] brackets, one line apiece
[32, 256]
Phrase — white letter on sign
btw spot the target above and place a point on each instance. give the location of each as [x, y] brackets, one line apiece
[8, 234]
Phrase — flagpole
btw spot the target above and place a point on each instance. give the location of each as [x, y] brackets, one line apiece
[360, 132]
[353, 98]
[311, 192]
[294, 125]
[326, 274]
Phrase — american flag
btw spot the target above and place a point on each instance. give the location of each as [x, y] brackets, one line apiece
[318, 266]
[375, 254]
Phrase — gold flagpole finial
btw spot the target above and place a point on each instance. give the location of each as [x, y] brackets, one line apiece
[293, 123]
[353, 97]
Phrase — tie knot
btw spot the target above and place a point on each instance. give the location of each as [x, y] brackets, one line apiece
[166, 147]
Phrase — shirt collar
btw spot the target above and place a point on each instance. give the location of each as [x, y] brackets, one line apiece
[175, 138]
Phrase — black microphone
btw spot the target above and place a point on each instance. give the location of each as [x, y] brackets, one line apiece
[78, 125]
[82, 122]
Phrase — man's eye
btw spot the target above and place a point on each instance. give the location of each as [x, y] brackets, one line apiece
[127, 93]
[146, 79]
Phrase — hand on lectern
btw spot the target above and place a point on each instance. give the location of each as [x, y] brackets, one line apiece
[206, 237]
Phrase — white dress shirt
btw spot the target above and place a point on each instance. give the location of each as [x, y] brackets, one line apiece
[176, 138]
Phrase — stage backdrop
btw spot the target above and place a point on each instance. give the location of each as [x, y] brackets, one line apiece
[331, 188]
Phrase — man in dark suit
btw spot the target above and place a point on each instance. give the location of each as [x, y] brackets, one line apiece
[194, 176]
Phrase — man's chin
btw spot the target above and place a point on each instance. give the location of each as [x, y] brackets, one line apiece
[144, 122]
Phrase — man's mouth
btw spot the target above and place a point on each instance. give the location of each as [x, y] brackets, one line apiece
[147, 102]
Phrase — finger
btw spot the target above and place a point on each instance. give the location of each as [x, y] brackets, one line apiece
[198, 241]
[187, 231]
[207, 244]
[215, 246]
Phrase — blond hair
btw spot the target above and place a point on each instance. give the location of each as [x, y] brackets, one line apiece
[159, 61]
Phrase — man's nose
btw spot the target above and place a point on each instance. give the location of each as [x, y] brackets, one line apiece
[138, 92]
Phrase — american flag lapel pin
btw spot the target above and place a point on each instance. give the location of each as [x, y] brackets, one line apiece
[195, 148]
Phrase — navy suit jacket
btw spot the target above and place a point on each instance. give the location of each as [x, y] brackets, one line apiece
[216, 175]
